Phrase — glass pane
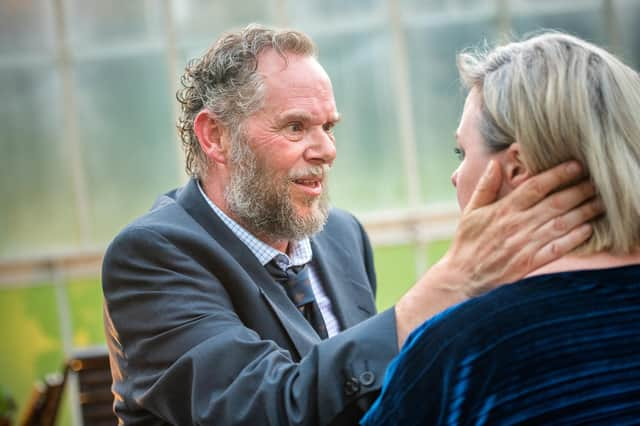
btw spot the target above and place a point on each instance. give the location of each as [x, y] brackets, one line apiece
[37, 212]
[26, 26]
[202, 21]
[627, 15]
[368, 172]
[437, 94]
[420, 8]
[328, 15]
[96, 22]
[584, 19]
[129, 140]
[553, 6]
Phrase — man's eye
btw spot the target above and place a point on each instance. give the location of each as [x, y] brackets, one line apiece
[459, 153]
[328, 127]
[295, 127]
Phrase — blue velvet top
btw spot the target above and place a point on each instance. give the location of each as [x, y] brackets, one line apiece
[561, 348]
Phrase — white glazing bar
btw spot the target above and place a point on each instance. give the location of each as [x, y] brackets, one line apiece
[66, 331]
[74, 153]
[612, 26]
[71, 137]
[173, 69]
[503, 20]
[403, 102]
[279, 13]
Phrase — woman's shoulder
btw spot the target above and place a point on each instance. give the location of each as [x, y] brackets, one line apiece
[533, 300]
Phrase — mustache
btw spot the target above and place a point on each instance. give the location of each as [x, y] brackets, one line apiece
[319, 171]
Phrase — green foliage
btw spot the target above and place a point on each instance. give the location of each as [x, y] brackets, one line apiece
[396, 268]
[8, 405]
[35, 336]
[31, 337]
[396, 271]
[85, 299]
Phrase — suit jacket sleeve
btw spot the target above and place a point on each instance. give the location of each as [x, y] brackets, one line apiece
[182, 355]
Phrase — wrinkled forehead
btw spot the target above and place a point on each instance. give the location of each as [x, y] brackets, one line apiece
[289, 69]
[297, 81]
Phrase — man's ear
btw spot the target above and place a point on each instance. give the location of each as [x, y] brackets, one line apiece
[515, 170]
[212, 136]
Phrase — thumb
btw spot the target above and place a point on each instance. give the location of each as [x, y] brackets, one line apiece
[487, 189]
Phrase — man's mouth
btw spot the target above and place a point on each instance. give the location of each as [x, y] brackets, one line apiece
[310, 185]
[308, 182]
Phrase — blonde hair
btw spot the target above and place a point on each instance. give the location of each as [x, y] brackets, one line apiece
[563, 98]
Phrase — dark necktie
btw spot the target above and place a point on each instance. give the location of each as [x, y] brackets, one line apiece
[296, 283]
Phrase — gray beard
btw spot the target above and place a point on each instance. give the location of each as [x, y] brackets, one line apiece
[262, 201]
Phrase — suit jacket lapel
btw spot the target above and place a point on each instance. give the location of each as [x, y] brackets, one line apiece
[351, 299]
[303, 336]
[299, 330]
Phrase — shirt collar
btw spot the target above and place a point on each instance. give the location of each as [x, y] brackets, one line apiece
[299, 251]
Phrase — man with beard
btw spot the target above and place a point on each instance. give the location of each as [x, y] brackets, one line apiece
[242, 298]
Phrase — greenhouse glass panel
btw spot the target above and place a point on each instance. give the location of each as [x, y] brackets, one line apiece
[93, 23]
[438, 97]
[202, 21]
[583, 18]
[36, 188]
[126, 125]
[627, 14]
[26, 27]
[328, 15]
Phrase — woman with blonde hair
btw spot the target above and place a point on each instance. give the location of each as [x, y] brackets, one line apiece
[562, 345]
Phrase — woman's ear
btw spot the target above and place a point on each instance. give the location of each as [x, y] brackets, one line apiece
[515, 171]
[211, 136]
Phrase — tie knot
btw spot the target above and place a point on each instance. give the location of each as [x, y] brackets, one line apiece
[295, 281]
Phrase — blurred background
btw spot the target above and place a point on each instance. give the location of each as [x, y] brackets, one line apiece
[88, 141]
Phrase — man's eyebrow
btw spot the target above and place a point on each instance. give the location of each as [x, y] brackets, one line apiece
[295, 115]
[300, 115]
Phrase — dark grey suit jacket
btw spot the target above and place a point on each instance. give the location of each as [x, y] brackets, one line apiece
[199, 332]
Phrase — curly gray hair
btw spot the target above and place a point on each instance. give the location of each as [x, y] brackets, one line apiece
[225, 82]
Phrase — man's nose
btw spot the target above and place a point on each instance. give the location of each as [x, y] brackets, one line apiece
[322, 149]
[454, 178]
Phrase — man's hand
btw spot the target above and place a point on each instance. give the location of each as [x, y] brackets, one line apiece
[502, 241]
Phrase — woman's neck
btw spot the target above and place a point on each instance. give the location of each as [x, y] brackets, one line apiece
[573, 262]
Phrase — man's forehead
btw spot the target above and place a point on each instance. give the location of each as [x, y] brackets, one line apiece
[283, 66]
[270, 62]
[298, 83]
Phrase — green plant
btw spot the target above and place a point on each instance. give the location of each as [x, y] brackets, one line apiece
[7, 406]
